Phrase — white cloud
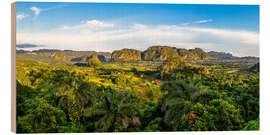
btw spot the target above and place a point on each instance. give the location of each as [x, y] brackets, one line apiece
[198, 22]
[21, 16]
[97, 23]
[88, 25]
[36, 10]
[105, 36]
[204, 21]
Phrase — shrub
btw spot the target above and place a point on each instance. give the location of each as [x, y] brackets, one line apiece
[94, 61]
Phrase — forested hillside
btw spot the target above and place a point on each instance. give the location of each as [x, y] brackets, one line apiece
[160, 89]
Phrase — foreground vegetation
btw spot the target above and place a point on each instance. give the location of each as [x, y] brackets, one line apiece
[173, 95]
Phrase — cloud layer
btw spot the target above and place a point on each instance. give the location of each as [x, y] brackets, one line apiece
[36, 10]
[105, 36]
[21, 16]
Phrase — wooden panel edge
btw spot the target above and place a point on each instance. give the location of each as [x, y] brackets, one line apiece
[13, 67]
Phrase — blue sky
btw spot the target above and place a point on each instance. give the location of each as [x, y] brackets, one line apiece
[111, 26]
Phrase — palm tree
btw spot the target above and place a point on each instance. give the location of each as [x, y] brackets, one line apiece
[74, 95]
[179, 92]
[115, 108]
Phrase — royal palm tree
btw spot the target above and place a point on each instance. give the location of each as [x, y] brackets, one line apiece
[114, 109]
[75, 95]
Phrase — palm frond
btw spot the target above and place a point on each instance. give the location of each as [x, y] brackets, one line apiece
[94, 111]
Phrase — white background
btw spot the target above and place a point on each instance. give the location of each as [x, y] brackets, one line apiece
[5, 60]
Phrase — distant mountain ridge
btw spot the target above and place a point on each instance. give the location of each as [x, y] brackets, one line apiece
[229, 56]
[27, 46]
[221, 55]
[153, 53]
[70, 55]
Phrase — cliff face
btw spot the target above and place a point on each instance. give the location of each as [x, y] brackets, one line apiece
[159, 53]
[185, 54]
[126, 55]
[193, 54]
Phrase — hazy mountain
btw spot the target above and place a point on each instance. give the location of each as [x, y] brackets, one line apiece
[221, 55]
[27, 45]
[229, 56]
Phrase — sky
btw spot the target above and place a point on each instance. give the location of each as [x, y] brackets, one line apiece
[113, 26]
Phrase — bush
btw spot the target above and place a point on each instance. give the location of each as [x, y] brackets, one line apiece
[94, 61]
[40, 117]
[172, 64]
[252, 125]
[217, 115]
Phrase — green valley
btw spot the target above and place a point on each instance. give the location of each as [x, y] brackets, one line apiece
[160, 89]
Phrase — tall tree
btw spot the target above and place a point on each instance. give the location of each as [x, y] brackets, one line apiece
[115, 109]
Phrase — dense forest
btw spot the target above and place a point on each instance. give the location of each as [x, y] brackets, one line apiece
[160, 89]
